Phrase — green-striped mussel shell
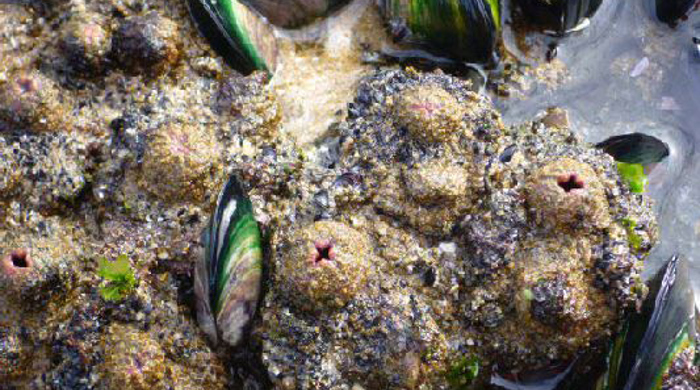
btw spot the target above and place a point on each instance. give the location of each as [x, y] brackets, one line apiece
[643, 352]
[239, 34]
[228, 278]
[559, 15]
[294, 13]
[464, 30]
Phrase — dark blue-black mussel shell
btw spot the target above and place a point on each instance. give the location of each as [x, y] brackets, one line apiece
[672, 11]
[559, 15]
[643, 353]
[635, 148]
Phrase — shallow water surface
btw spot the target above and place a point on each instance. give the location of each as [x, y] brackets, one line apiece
[629, 73]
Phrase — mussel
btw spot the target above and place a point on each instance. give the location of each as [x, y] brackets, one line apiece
[243, 32]
[635, 148]
[239, 34]
[294, 13]
[559, 16]
[228, 278]
[671, 11]
[463, 30]
[642, 354]
[636, 155]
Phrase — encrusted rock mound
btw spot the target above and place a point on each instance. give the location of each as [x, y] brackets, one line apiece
[443, 239]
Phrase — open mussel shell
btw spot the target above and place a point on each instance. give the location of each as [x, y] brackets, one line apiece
[643, 352]
[294, 13]
[635, 148]
[672, 11]
[463, 30]
[559, 15]
[228, 278]
[239, 34]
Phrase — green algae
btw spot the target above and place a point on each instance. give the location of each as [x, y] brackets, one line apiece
[463, 373]
[119, 278]
[633, 175]
[634, 239]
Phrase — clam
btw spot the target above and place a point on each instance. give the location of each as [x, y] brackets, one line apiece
[294, 13]
[666, 326]
[239, 34]
[227, 279]
[671, 11]
[464, 30]
[559, 15]
[635, 148]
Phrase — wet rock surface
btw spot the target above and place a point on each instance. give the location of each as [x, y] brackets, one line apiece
[431, 234]
[507, 245]
[118, 127]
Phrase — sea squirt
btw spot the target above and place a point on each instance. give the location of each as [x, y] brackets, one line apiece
[453, 252]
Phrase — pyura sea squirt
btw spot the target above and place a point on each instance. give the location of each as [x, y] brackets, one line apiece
[448, 241]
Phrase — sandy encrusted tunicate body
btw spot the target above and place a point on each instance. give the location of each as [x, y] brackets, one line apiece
[437, 181]
[33, 100]
[429, 176]
[136, 359]
[49, 170]
[38, 271]
[429, 113]
[512, 247]
[133, 360]
[565, 192]
[86, 42]
[36, 266]
[558, 308]
[438, 191]
[182, 162]
[146, 43]
[324, 264]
